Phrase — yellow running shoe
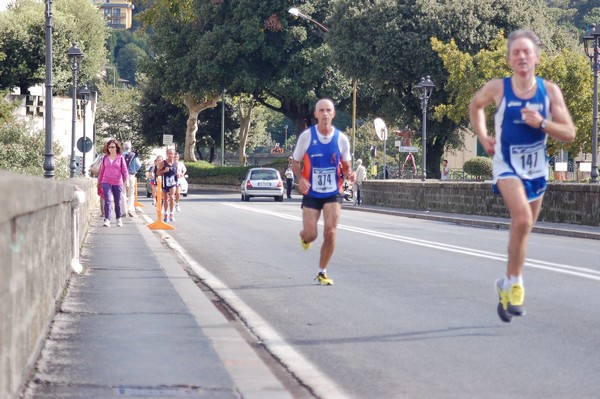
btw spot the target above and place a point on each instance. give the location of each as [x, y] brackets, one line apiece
[323, 279]
[516, 300]
[305, 245]
[503, 305]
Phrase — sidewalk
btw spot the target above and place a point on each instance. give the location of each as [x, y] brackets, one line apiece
[134, 324]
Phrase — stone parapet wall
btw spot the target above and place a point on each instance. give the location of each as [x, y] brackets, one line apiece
[36, 249]
[563, 203]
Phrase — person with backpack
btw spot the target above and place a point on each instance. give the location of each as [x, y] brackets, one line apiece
[133, 166]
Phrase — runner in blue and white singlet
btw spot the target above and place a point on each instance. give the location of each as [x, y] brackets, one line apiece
[528, 110]
[520, 149]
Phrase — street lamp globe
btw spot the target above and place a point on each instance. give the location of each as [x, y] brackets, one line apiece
[294, 11]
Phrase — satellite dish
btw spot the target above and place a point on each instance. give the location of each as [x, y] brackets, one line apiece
[380, 129]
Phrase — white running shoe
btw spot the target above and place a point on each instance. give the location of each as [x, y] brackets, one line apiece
[106, 223]
[177, 208]
[120, 222]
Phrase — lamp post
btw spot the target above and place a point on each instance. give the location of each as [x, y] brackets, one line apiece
[285, 141]
[591, 43]
[75, 56]
[425, 89]
[84, 93]
[49, 155]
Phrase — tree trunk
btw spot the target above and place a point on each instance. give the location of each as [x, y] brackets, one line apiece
[194, 109]
[245, 107]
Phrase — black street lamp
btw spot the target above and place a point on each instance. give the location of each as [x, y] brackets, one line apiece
[84, 93]
[425, 89]
[591, 43]
[75, 56]
[49, 154]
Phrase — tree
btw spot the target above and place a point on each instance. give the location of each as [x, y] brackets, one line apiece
[118, 116]
[467, 73]
[22, 150]
[386, 46]
[245, 46]
[22, 39]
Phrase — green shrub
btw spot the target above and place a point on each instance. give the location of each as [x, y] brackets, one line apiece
[205, 173]
[479, 168]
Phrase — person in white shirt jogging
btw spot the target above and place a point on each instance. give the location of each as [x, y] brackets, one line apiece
[324, 151]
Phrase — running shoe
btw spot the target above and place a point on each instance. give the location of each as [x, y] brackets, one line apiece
[516, 300]
[120, 222]
[503, 304]
[323, 279]
[106, 223]
[172, 218]
[305, 245]
[177, 208]
[165, 219]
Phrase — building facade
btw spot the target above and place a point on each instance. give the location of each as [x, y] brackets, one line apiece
[118, 14]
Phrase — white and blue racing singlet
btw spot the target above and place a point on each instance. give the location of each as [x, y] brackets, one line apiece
[322, 166]
[520, 149]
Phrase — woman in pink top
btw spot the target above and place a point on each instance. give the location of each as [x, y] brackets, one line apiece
[113, 173]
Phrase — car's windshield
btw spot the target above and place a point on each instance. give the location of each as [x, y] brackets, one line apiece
[263, 175]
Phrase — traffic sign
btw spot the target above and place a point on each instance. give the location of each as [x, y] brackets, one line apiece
[88, 144]
[408, 149]
[167, 139]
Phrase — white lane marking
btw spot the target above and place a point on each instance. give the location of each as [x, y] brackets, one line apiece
[301, 367]
[538, 264]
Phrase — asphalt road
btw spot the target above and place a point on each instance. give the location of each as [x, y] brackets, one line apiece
[412, 313]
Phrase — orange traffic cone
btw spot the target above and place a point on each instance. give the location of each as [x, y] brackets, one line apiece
[159, 224]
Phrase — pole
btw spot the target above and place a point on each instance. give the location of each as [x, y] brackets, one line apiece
[223, 128]
[73, 124]
[594, 172]
[49, 155]
[424, 138]
[84, 141]
[354, 118]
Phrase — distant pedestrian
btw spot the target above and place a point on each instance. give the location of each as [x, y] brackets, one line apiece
[133, 166]
[445, 170]
[152, 177]
[289, 178]
[113, 174]
[361, 175]
[181, 171]
[325, 152]
[529, 109]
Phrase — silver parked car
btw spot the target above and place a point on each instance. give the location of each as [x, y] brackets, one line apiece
[262, 182]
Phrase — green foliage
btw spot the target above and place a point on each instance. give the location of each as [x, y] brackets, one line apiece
[479, 167]
[6, 107]
[22, 150]
[118, 116]
[22, 39]
[205, 173]
[466, 73]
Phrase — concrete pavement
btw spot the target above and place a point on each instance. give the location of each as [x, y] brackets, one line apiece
[134, 324]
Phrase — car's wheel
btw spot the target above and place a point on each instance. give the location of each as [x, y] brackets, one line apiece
[279, 199]
[185, 195]
[247, 198]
